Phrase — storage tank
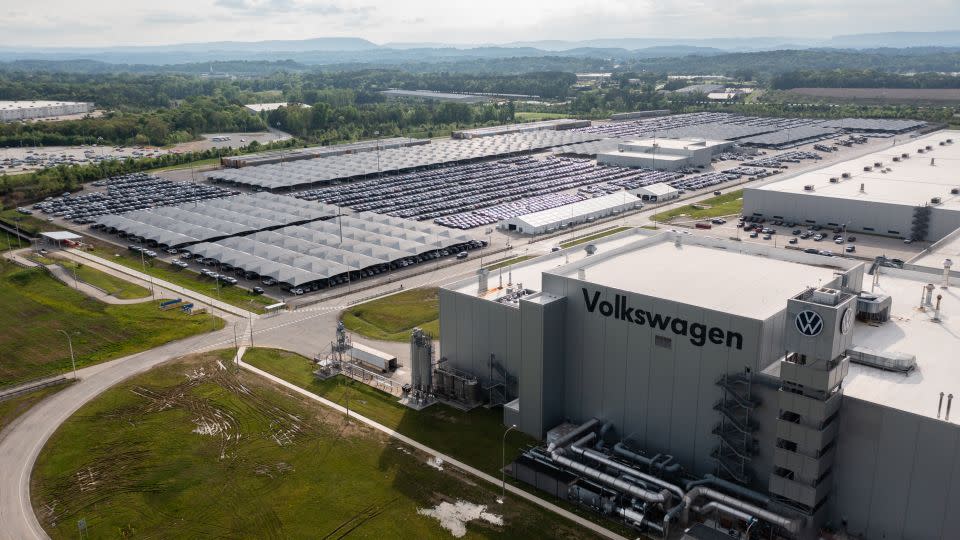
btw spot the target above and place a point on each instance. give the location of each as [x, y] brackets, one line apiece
[421, 358]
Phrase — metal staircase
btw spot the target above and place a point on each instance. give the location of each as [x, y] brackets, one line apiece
[735, 432]
[921, 222]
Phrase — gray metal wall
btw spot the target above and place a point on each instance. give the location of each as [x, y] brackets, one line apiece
[662, 399]
[897, 474]
[860, 216]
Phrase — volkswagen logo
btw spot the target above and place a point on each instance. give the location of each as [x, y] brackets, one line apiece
[809, 323]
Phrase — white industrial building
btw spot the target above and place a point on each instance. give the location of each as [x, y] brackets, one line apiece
[567, 215]
[658, 192]
[11, 111]
[908, 190]
[672, 385]
[664, 154]
[267, 107]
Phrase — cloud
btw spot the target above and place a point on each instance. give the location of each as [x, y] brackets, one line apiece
[268, 7]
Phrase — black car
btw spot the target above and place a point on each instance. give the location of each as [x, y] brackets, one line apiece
[257, 290]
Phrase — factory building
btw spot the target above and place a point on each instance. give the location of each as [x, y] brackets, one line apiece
[658, 192]
[567, 215]
[910, 190]
[678, 378]
[257, 108]
[11, 111]
[664, 154]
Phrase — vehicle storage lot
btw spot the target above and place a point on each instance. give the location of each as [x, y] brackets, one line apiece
[28, 158]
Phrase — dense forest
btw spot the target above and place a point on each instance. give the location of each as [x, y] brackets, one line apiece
[861, 78]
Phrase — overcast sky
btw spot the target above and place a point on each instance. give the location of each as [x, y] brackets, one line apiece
[132, 22]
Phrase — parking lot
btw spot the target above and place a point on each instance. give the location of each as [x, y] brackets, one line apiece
[30, 158]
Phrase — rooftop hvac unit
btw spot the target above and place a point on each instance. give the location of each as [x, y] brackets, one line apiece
[834, 180]
[935, 200]
[955, 191]
[896, 158]
[920, 150]
[887, 360]
[878, 164]
[845, 175]
[826, 296]
[949, 141]
[808, 187]
[874, 307]
[928, 147]
[867, 168]
[942, 143]
[905, 155]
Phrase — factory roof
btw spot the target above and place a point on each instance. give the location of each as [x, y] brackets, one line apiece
[659, 188]
[747, 280]
[947, 247]
[673, 144]
[708, 273]
[912, 181]
[910, 330]
[646, 155]
[573, 211]
[34, 104]
[429, 94]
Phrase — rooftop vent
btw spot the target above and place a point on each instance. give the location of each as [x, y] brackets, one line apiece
[834, 180]
[935, 200]
[955, 191]
[826, 296]
[920, 150]
[905, 155]
[845, 175]
[949, 141]
[867, 168]
[928, 147]
[878, 164]
[896, 158]
[808, 187]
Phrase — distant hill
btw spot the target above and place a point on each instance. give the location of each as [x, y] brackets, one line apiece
[950, 38]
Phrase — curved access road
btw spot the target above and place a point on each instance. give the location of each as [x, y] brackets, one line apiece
[22, 440]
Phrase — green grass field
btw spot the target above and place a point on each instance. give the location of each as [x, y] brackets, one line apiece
[34, 306]
[30, 225]
[510, 262]
[593, 237]
[191, 451]
[473, 437]
[185, 278]
[9, 241]
[722, 205]
[119, 288]
[393, 317]
[14, 407]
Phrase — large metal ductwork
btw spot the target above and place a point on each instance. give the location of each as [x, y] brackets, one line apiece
[621, 450]
[569, 437]
[710, 479]
[611, 481]
[720, 507]
[789, 524]
[626, 469]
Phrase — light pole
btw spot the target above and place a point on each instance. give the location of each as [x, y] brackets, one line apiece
[377, 133]
[503, 465]
[16, 224]
[73, 360]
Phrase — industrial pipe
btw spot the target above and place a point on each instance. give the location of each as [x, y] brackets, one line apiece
[563, 441]
[724, 509]
[602, 458]
[639, 519]
[611, 481]
[621, 450]
[710, 479]
[601, 442]
[790, 524]
[669, 517]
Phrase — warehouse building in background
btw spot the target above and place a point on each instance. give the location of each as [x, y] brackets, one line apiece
[910, 190]
[664, 154]
[676, 378]
[11, 111]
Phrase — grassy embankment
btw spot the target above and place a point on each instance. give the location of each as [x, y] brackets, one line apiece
[727, 204]
[393, 317]
[185, 278]
[192, 450]
[34, 307]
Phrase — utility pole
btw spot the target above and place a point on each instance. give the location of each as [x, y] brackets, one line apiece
[503, 465]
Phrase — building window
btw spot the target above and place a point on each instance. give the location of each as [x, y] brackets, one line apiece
[777, 217]
[833, 224]
[664, 342]
[868, 228]
[894, 232]
[809, 221]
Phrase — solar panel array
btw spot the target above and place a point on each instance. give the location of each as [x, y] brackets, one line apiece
[322, 254]
[300, 174]
[178, 226]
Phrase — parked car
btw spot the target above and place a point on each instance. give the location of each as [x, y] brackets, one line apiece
[257, 290]
[463, 255]
[851, 248]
